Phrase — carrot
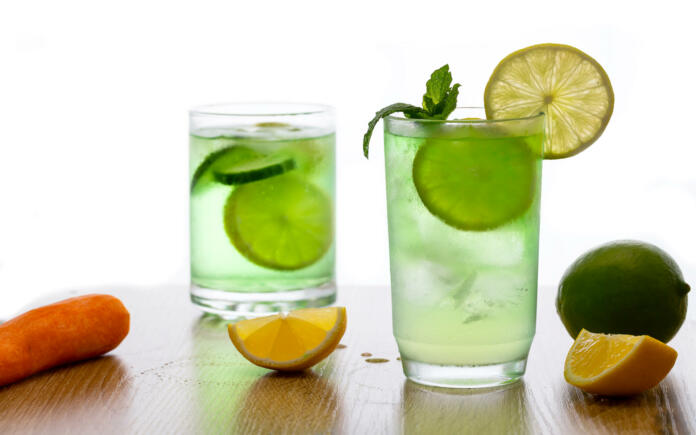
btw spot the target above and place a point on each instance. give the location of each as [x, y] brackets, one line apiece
[61, 333]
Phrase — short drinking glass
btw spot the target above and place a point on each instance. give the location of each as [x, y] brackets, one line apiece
[463, 206]
[261, 186]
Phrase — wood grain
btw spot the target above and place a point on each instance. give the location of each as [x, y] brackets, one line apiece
[177, 372]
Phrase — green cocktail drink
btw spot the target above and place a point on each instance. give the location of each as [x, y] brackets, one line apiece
[261, 207]
[463, 195]
[463, 205]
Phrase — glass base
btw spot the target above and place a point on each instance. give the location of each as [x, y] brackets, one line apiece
[233, 305]
[484, 376]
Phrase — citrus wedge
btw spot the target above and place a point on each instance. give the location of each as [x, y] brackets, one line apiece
[618, 364]
[290, 341]
[569, 86]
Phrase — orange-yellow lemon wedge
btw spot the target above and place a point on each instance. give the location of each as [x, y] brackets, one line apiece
[617, 364]
[290, 341]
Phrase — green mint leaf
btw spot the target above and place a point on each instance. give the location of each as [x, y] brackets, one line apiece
[448, 103]
[428, 104]
[407, 109]
[417, 114]
[437, 88]
[439, 102]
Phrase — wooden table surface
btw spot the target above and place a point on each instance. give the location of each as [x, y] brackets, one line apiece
[177, 372]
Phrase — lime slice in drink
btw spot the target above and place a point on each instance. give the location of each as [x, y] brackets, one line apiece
[257, 169]
[475, 185]
[219, 161]
[282, 222]
[311, 154]
[569, 86]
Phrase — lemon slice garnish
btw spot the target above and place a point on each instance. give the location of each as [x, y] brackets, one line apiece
[569, 86]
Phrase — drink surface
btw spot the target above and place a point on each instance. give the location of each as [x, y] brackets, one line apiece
[239, 240]
[463, 296]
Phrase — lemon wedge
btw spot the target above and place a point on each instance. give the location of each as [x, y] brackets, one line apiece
[289, 341]
[617, 364]
[569, 86]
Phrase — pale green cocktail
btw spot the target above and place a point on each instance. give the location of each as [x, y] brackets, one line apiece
[261, 208]
[463, 205]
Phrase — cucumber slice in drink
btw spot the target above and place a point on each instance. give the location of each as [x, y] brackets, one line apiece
[281, 222]
[221, 160]
[254, 170]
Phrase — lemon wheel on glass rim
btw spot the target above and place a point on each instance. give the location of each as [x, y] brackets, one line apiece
[569, 86]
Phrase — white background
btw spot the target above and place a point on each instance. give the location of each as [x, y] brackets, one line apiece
[93, 122]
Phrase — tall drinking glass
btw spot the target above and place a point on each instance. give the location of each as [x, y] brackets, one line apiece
[262, 182]
[463, 206]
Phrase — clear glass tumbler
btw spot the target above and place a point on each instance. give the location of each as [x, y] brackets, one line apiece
[262, 189]
[463, 205]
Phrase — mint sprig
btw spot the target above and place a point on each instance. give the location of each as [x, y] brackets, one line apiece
[406, 109]
[439, 101]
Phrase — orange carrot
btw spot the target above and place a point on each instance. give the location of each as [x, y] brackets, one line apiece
[61, 333]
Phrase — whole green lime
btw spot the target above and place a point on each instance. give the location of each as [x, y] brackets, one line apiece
[623, 287]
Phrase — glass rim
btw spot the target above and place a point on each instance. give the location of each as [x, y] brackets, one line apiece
[235, 109]
[466, 121]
